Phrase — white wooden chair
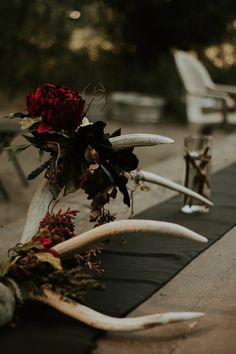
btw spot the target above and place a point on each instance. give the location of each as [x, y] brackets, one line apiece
[206, 102]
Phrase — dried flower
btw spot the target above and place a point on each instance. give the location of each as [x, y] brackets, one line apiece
[55, 228]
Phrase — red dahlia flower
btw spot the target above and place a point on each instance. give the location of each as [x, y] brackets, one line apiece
[60, 107]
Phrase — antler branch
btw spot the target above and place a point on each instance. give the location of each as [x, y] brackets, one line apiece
[105, 231]
[165, 182]
[108, 323]
[123, 142]
[39, 205]
[46, 192]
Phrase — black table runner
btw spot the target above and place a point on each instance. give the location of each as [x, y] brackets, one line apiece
[134, 270]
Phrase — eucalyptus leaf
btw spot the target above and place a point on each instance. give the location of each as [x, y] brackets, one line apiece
[15, 259]
[49, 258]
[27, 122]
[39, 170]
[16, 115]
[30, 245]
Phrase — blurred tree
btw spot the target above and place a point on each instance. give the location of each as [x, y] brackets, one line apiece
[148, 28]
[34, 41]
[128, 47]
[142, 34]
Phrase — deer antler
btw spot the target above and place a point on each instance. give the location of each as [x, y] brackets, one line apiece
[105, 231]
[85, 314]
[165, 182]
[46, 193]
[10, 291]
[123, 142]
[39, 205]
[108, 323]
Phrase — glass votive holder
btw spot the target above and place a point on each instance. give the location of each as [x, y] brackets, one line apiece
[197, 157]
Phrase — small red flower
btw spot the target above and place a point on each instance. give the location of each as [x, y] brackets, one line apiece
[50, 250]
[56, 228]
[46, 242]
[60, 107]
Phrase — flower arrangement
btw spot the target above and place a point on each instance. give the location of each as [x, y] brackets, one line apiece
[80, 154]
[52, 264]
[37, 266]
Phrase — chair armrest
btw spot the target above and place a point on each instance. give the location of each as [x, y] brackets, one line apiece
[230, 89]
[217, 95]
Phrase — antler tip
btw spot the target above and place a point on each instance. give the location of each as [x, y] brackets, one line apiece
[169, 140]
[202, 239]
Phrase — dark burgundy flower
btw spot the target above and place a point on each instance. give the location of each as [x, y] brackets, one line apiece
[60, 107]
[111, 169]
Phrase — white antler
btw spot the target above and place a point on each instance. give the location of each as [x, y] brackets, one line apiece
[107, 323]
[39, 205]
[165, 182]
[46, 193]
[131, 226]
[123, 142]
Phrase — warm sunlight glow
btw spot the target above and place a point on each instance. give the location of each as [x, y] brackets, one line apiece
[223, 55]
[75, 15]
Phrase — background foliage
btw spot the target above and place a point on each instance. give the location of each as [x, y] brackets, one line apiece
[126, 45]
